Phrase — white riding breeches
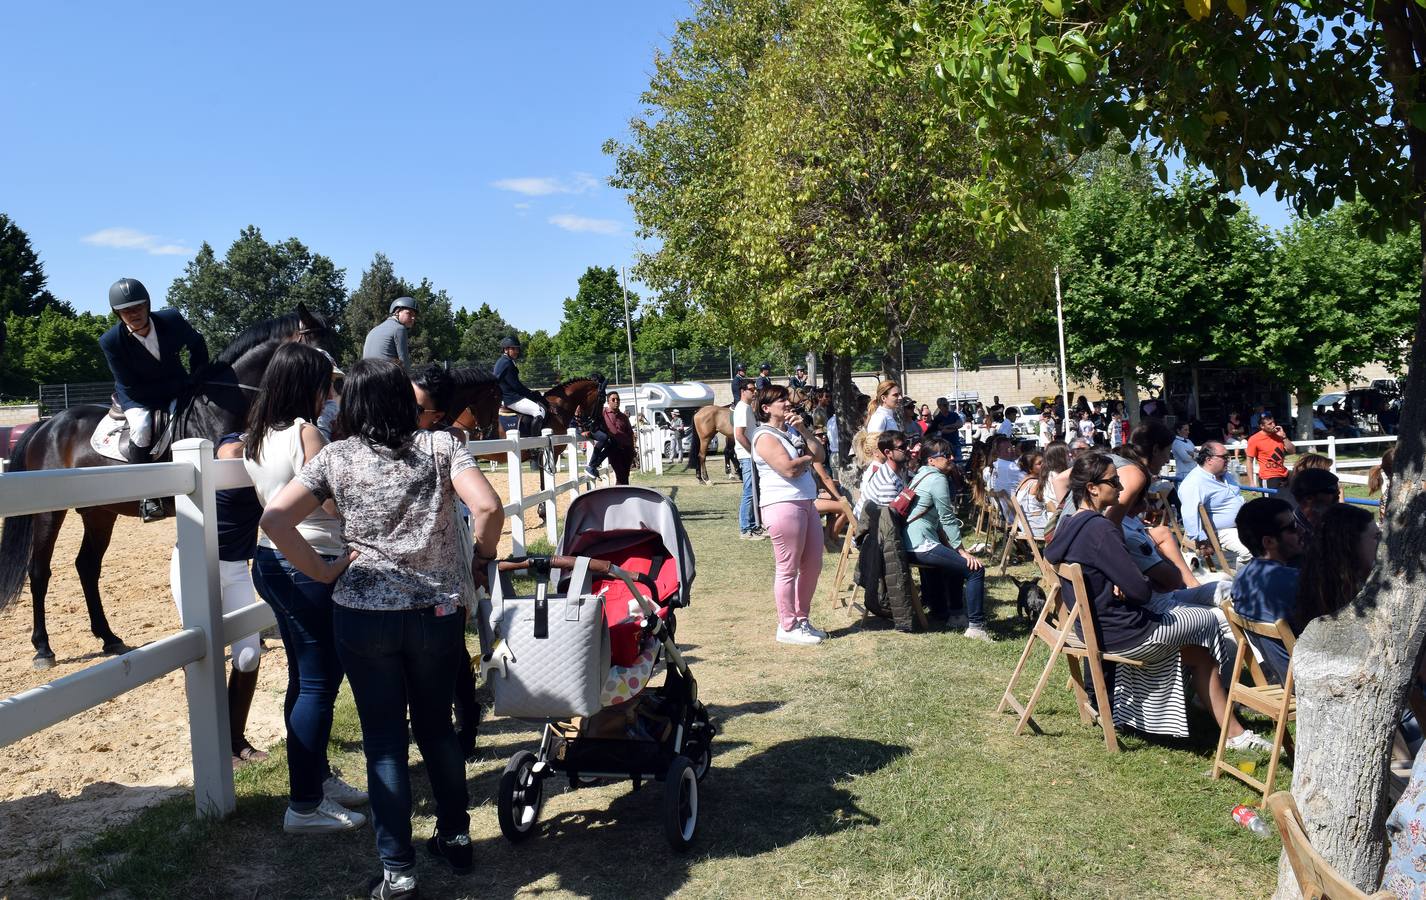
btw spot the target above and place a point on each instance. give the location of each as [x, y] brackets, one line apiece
[140, 426]
[526, 407]
[236, 583]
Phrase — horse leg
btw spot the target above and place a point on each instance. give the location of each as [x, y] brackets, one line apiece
[46, 532]
[98, 529]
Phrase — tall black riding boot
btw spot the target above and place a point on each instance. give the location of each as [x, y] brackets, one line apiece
[241, 687]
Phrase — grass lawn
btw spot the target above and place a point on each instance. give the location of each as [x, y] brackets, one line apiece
[872, 766]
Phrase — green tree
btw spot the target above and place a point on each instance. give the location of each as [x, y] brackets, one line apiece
[1328, 281]
[53, 346]
[370, 302]
[1316, 102]
[481, 333]
[254, 281]
[23, 288]
[434, 337]
[668, 329]
[592, 327]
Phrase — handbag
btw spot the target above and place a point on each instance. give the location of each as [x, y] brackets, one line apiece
[554, 655]
[903, 502]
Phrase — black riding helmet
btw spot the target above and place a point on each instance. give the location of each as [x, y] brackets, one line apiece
[127, 292]
[401, 303]
[507, 342]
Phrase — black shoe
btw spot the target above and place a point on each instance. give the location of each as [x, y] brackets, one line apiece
[151, 510]
[456, 850]
[384, 888]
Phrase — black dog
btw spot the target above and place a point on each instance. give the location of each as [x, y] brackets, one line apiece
[1031, 599]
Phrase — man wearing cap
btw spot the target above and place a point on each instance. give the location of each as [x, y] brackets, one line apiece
[142, 350]
[389, 339]
[764, 376]
[798, 382]
[513, 393]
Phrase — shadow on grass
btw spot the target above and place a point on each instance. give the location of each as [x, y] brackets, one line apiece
[794, 790]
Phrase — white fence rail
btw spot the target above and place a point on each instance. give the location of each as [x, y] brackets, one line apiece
[1329, 448]
[192, 479]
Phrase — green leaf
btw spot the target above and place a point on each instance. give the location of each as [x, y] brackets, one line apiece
[1046, 44]
[1076, 72]
[1056, 9]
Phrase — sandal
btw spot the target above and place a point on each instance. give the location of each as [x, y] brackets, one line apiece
[247, 753]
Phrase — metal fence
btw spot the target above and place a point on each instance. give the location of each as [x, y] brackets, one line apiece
[56, 398]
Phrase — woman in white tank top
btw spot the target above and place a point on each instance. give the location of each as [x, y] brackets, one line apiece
[280, 441]
[787, 498]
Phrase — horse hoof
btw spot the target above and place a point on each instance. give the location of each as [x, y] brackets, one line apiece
[115, 648]
[43, 661]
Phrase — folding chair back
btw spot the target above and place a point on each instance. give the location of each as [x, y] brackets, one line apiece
[1002, 522]
[1272, 700]
[1056, 629]
[1212, 532]
[1315, 876]
[1020, 530]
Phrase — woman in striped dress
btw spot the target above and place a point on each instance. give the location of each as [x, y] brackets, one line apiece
[1148, 698]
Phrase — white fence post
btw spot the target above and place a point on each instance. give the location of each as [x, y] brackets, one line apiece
[1332, 451]
[552, 461]
[517, 498]
[202, 610]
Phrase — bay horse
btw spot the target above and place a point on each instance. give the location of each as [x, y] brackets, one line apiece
[216, 404]
[712, 420]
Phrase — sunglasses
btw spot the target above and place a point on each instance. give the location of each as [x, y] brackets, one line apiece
[1114, 480]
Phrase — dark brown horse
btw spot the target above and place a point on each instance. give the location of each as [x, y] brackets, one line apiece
[216, 404]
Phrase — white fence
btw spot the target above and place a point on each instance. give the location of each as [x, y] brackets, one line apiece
[192, 479]
[1329, 447]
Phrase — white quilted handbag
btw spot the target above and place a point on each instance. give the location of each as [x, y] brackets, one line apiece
[555, 654]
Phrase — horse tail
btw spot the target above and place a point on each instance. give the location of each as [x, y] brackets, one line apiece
[17, 539]
[695, 455]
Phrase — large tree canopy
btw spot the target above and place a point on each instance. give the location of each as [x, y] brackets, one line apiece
[255, 280]
[593, 323]
[1315, 102]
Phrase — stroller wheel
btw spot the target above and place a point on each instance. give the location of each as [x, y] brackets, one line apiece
[680, 804]
[703, 763]
[519, 797]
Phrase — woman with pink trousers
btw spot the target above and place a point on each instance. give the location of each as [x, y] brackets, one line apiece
[783, 452]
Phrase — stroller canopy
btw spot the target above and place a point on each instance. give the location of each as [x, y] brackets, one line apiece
[594, 517]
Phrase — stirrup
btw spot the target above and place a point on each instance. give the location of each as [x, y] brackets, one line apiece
[151, 510]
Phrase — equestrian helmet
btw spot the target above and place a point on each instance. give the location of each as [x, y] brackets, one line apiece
[127, 292]
[765, 367]
[402, 303]
[507, 342]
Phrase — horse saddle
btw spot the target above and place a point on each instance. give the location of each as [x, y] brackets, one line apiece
[111, 435]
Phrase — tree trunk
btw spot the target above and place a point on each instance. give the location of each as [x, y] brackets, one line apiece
[1305, 396]
[850, 413]
[1352, 671]
[1129, 390]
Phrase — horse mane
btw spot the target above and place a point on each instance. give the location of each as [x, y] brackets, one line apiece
[569, 381]
[259, 333]
[469, 377]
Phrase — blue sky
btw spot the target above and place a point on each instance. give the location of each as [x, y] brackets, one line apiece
[460, 139]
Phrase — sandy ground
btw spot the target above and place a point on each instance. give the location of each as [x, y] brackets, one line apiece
[64, 785]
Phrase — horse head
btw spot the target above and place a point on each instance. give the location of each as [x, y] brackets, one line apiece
[473, 402]
[311, 328]
[576, 401]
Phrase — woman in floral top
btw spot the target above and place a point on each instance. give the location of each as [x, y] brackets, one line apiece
[398, 627]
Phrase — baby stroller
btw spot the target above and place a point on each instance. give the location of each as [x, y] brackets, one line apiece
[578, 657]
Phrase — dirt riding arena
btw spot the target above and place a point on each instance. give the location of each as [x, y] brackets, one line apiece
[64, 785]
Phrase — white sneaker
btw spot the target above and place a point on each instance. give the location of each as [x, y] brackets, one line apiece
[807, 624]
[338, 791]
[977, 633]
[326, 818]
[1249, 740]
[957, 622]
[797, 635]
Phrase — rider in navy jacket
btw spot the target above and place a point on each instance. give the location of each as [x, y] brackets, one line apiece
[143, 380]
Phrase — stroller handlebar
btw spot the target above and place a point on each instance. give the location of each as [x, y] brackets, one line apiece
[597, 566]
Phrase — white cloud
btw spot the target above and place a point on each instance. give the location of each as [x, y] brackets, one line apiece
[132, 239]
[581, 223]
[540, 186]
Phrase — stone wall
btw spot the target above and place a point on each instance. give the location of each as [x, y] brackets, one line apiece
[19, 415]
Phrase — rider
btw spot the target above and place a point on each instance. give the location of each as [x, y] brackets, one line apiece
[798, 382]
[764, 376]
[513, 393]
[388, 339]
[142, 350]
[740, 375]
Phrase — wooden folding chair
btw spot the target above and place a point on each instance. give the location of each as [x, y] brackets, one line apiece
[1056, 629]
[835, 600]
[1272, 700]
[1315, 876]
[1002, 522]
[1020, 531]
[1212, 532]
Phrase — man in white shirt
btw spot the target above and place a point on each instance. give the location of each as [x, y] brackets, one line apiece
[743, 424]
[1007, 426]
[1208, 485]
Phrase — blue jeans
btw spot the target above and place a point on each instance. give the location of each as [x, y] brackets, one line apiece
[746, 520]
[303, 609]
[952, 579]
[398, 660]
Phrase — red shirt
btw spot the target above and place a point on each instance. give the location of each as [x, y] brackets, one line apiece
[1267, 449]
